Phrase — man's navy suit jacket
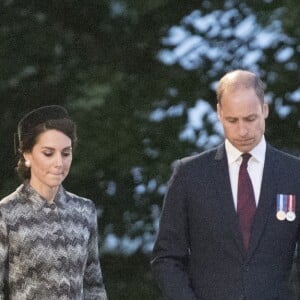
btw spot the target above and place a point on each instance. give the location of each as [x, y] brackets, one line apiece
[199, 251]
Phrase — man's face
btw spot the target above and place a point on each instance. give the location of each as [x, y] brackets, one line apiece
[243, 118]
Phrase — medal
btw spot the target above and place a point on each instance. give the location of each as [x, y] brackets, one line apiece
[290, 216]
[291, 207]
[281, 207]
[281, 215]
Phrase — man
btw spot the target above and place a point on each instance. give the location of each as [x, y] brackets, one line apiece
[230, 223]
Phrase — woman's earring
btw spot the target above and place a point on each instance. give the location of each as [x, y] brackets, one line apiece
[27, 163]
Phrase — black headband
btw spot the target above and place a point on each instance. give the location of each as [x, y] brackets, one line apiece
[39, 116]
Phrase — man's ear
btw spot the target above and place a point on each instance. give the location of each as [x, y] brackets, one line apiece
[266, 110]
[219, 110]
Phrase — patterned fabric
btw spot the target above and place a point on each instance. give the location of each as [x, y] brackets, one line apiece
[49, 251]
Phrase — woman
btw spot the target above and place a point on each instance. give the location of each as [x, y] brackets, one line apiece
[48, 236]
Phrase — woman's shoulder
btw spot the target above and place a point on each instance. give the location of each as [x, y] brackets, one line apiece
[11, 200]
[74, 199]
[10, 206]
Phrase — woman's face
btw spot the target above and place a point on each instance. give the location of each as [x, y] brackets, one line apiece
[50, 159]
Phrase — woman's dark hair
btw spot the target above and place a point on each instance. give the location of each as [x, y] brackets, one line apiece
[29, 139]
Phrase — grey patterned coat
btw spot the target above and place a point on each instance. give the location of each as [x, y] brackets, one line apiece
[49, 251]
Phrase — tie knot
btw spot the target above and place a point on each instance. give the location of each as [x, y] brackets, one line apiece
[245, 157]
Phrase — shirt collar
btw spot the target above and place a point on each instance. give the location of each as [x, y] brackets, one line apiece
[30, 194]
[258, 152]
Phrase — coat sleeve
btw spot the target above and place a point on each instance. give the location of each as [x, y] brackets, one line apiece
[296, 176]
[297, 258]
[93, 281]
[3, 254]
[171, 250]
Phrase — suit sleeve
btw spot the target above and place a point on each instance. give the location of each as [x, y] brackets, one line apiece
[171, 250]
[93, 281]
[3, 254]
[297, 259]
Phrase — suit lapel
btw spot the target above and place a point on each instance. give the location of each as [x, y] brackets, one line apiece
[265, 201]
[226, 205]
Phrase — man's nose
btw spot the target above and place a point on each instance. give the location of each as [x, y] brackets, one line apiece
[243, 129]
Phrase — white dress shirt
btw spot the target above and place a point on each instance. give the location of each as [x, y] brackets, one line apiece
[255, 167]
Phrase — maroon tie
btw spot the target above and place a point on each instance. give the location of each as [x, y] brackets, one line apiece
[245, 200]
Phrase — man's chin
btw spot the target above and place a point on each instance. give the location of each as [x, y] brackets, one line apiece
[245, 146]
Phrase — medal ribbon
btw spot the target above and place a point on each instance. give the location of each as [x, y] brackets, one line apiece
[281, 202]
[291, 203]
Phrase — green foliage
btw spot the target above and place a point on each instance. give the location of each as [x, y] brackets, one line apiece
[129, 277]
[103, 61]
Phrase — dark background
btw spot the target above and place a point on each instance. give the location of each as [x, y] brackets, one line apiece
[129, 83]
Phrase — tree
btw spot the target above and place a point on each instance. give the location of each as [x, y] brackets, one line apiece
[130, 72]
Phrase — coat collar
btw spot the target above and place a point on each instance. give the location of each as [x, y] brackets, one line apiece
[223, 187]
[226, 205]
[266, 199]
[30, 196]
